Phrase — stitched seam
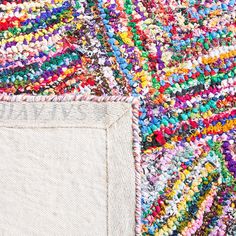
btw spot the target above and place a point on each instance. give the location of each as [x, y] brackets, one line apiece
[50, 127]
[107, 182]
[119, 118]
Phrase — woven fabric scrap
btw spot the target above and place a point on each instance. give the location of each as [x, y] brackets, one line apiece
[178, 57]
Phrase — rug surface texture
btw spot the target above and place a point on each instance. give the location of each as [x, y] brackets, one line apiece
[176, 57]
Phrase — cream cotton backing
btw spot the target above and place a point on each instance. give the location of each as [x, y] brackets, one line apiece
[67, 168]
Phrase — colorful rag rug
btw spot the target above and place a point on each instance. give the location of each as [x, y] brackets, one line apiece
[178, 57]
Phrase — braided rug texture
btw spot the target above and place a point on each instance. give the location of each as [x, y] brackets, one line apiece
[178, 57]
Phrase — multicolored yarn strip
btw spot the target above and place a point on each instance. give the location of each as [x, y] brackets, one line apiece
[178, 57]
[37, 58]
